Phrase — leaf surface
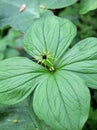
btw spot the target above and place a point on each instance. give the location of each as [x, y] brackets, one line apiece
[82, 59]
[90, 79]
[18, 78]
[62, 100]
[53, 4]
[21, 21]
[83, 51]
[88, 5]
[15, 117]
[51, 36]
[10, 13]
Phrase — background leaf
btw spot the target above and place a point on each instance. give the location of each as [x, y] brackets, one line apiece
[53, 4]
[62, 100]
[21, 21]
[15, 117]
[1, 55]
[88, 5]
[18, 79]
[11, 53]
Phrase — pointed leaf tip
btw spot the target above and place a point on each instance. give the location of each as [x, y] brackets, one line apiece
[62, 101]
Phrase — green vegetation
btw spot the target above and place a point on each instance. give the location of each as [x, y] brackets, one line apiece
[48, 65]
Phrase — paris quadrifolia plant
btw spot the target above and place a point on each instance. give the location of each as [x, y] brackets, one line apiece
[57, 80]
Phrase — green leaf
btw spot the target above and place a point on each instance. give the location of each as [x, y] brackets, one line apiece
[1, 56]
[88, 5]
[53, 4]
[21, 21]
[15, 117]
[62, 100]
[2, 45]
[42, 39]
[90, 79]
[18, 77]
[11, 53]
[10, 13]
[87, 67]
[12, 37]
[86, 70]
[83, 51]
[82, 59]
